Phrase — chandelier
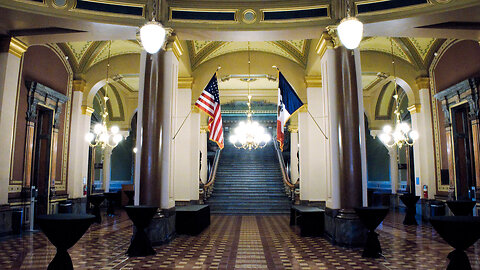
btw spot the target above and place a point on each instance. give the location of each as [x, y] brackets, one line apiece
[101, 136]
[350, 30]
[250, 134]
[402, 134]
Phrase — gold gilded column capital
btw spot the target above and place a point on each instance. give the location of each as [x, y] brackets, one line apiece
[415, 108]
[79, 85]
[293, 129]
[87, 110]
[17, 47]
[185, 82]
[313, 81]
[203, 129]
[328, 40]
[423, 82]
[173, 44]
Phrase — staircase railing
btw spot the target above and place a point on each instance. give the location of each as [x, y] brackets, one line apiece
[208, 187]
[289, 186]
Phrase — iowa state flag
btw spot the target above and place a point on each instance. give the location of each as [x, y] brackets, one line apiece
[288, 104]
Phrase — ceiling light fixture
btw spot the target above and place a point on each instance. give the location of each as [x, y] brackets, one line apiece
[153, 34]
[402, 134]
[350, 30]
[101, 136]
[249, 135]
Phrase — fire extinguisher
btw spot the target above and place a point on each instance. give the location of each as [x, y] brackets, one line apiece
[84, 190]
[425, 191]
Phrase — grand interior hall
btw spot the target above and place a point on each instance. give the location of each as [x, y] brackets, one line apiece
[274, 134]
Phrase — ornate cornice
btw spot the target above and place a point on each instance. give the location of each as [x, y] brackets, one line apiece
[173, 44]
[415, 108]
[17, 47]
[79, 85]
[423, 82]
[185, 82]
[313, 81]
[87, 110]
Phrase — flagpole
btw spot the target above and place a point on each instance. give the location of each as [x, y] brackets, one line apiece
[176, 133]
[317, 124]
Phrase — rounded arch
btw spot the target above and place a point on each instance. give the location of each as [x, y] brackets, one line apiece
[116, 100]
[375, 62]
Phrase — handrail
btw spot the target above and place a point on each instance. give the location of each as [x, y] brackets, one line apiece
[285, 177]
[211, 179]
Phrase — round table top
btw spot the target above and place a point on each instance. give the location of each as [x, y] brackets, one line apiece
[96, 199]
[371, 217]
[64, 230]
[459, 232]
[141, 215]
[409, 199]
[461, 207]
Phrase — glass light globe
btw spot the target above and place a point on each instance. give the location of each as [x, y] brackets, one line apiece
[98, 128]
[89, 137]
[103, 138]
[117, 138]
[387, 129]
[114, 129]
[266, 138]
[350, 32]
[152, 36]
[404, 127]
[385, 138]
[135, 150]
[233, 139]
[413, 135]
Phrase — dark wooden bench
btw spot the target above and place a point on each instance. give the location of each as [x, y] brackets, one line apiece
[310, 219]
[192, 219]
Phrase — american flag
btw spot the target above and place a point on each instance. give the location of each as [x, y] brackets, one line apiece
[209, 102]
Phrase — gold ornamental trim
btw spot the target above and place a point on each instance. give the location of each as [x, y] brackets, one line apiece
[87, 110]
[423, 82]
[173, 44]
[185, 82]
[415, 108]
[17, 47]
[79, 85]
[313, 81]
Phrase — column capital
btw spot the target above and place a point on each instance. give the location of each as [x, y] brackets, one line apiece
[313, 81]
[17, 47]
[293, 129]
[415, 108]
[328, 40]
[375, 132]
[87, 110]
[173, 44]
[185, 82]
[203, 129]
[79, 85]
[423, 82]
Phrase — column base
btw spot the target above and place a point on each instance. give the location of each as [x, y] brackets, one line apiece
[162, 228]
[79, 205]
[344, 228]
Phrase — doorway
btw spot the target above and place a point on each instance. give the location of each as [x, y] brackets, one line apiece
[463, 152]
[41, 158]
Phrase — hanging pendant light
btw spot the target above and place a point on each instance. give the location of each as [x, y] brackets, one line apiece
[101, 136]
[153, 34]
[250, 134]
[350, 30]
[402, 134]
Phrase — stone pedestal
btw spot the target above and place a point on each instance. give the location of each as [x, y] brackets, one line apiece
[344, 228]
[162, 228]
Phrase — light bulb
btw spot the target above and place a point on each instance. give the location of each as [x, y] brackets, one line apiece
[404, 127]
[414, 135]
[114, 129]
[89, 137]
[103, 138]
[98, 128]
[385, 138]
[387, 129]
[117, 138]
[350, 32]
[135, 150]
[233, 139]
[152, 36]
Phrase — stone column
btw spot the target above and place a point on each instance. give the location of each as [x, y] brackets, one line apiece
[423, 149]
[341, 78]
[157, 155]
[145, 63]
[78, 149]
[107, 168]
[293, 154]
[11, 52]
[392, 152]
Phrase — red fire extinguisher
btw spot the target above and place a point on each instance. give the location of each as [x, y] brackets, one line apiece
[84, 190]
[425, 191]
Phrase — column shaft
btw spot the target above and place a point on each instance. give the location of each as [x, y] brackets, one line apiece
[107, 168]
[392, 152]
[293, 156]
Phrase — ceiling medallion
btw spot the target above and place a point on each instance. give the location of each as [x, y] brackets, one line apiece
[249, 16]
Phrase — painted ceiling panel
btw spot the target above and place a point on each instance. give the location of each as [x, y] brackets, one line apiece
[382, 44]
[132, 83]
[79, 48]
[118, 47]
[368, 81]
[422, 45]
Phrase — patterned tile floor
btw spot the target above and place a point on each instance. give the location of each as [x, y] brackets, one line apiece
[237, 242]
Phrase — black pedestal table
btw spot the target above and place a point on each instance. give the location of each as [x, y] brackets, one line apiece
[460, 232]
[461, 207]
[111, 197]
[96, 200]
[141, 216]
[129, 194]
[371, 217]
[63, 231]
[410, 202]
